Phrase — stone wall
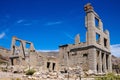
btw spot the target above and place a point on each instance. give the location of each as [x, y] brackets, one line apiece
[94, 54]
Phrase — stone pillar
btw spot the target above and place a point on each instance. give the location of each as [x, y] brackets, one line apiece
[109, 64]
[51, 68]
[45, 66]
[13, 44]
[32, 47]
[100, 62]
[91, 39]
[100, 24]
[104, 63]
[92, 60]
[77, 39]
[22, 48]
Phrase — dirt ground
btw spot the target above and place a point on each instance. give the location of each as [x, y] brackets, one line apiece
[9, 76]
[12, 76]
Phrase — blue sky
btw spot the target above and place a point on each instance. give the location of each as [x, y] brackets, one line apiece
[50, 23]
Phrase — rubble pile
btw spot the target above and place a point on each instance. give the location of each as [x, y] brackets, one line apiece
[46, 75]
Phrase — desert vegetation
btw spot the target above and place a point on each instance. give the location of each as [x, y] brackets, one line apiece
[109, 76]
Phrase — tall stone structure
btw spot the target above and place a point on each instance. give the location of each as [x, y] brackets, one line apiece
[94, 54]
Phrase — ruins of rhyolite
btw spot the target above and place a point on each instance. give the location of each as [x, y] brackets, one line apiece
[93, 55]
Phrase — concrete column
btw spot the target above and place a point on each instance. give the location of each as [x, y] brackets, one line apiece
[92, 60]
[45, 66]
[90, 21]
[13, 44]
[109, 64]
[100, 24]
[104, 63]
[100, 62]
[51, 66]
[101, 40]
[32, 47]
[21, 48]
[108, 39]
[77, 39]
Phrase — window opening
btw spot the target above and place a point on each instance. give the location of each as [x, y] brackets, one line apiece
[97, 38]
[53, 66]
[27, 45]
[96, 22]
[17, 43]
[74, 53]
[85, 55]
[48, 64]
[105, 42]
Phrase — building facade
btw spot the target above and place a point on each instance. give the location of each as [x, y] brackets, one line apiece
[94, 54]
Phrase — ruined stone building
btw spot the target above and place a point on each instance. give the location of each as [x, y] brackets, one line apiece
[23, 54]
[94, 54]
[51, 61]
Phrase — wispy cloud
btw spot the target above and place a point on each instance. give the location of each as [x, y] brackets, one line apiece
[53, 23]
[7, 16]
[48, 50]
[24, 22]
[2, 35]
[20, 21]
[27, 24]
[115, 50]
[69, 36]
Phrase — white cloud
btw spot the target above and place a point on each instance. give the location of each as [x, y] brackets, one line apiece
[2, 35]
[115, 50]
[20, 21]
[48, 50]
[53, 23]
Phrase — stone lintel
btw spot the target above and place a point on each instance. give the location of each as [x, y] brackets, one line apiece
[14, 56]
[88, 47]
[63, 45]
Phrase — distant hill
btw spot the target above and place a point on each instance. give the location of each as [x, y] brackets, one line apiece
[3, 59]
[116, 64]
[4, 55]
[115, 60]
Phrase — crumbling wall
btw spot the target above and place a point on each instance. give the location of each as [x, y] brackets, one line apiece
[23, 53]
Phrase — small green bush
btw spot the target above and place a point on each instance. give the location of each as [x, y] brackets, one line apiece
[18, 79]
[30, 72]
[109, 76]
[4, 69]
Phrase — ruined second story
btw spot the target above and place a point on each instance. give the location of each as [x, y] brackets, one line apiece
[96, 36]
